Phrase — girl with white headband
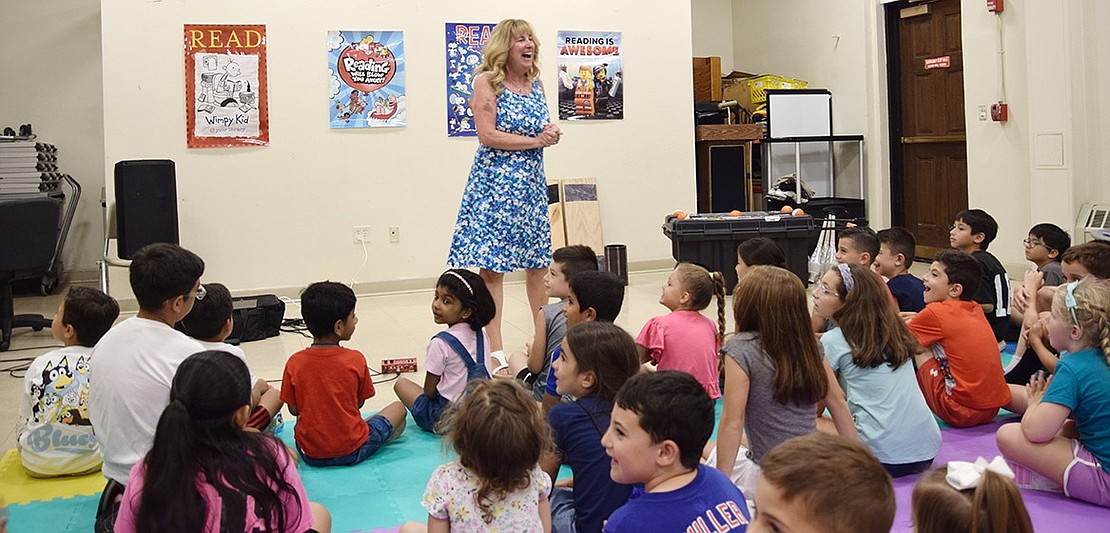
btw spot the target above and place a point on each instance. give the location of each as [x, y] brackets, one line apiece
[963, 496]
[869, 350]
[455, 356]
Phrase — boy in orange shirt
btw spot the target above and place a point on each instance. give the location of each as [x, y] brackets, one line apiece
[960, 370]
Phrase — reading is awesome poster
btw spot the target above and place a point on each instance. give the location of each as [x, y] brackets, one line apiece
[225, 85]
[464, 54]
[366, 71]
[591, 74]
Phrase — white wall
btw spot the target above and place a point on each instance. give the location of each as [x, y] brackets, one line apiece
[712, 33]
[50, 69]
[280, 216]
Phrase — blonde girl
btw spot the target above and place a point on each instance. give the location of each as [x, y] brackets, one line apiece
[869, 350]
[496, 484]
[1045, 450]
[774, 375]
[685, 339]
[946, 500]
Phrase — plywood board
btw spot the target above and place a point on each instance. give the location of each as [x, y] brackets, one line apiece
[582, 212]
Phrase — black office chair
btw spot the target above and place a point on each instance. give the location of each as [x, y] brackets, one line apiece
[28, 239]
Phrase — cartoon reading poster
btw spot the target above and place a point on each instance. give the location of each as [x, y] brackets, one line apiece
[464, 53]
[591, 74]
[225, 85]
[366, 71]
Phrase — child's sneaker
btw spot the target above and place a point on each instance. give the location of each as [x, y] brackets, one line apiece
[1025, 478]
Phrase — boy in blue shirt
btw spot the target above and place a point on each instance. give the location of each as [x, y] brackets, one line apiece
[897, 248]
[660, 424]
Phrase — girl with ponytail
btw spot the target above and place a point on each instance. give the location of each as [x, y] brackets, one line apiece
[204, 472]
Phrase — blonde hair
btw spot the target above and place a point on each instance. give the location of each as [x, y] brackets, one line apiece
[1092, 311]
[496, 52]
[995, 506]
[703, 285]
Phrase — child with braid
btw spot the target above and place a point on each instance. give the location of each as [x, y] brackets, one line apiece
[684, 339]
[1045, 450]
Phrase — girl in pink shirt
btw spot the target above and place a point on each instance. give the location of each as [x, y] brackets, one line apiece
[685, 339]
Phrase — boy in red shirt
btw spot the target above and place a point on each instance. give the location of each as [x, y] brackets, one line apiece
[960, 370]
[325, 385]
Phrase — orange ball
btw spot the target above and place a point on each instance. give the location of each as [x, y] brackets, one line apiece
[736, 213]
[786, 209]
[798, 212]
[680, 214]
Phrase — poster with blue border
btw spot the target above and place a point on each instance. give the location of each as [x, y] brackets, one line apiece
[591, 75]
[464, 53]
[366, 71]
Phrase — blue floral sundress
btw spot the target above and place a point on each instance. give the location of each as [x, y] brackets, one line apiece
[503, 224]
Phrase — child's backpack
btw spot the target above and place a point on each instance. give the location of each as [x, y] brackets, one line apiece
[474, 369]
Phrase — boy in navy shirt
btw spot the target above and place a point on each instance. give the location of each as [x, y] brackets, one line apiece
[896, 251]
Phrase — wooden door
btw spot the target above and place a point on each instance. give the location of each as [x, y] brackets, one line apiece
[931, 159]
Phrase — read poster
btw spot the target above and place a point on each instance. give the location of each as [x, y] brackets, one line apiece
[591, 72]
[464, 54]
[366, 71]
[225, 85]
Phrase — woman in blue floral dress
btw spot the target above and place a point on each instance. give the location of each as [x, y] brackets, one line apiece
[503, 224]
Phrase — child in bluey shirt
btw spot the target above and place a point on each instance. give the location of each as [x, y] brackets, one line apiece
[455, 356]
[210, 323]
[54, 406]
[684, 339]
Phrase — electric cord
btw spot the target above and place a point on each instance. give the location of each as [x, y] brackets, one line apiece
[365, 259]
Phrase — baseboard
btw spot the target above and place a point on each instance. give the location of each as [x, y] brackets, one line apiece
[376, 288]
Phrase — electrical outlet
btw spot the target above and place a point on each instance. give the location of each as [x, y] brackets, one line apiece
[394, 234]
[983, 113]
[362, 234]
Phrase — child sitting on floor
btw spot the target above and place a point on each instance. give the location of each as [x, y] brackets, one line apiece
[684, 339]
[964, 496]
[496, 484]
[596, 359]
[325, 385]
[56, 437]
[593, 296]
[209, 323]
[534, 365]
[971, 233]
[758, 251]
[896, 252]
[1045, 450]
[869, 349]
[774, 375]
[205, 473]
[660, 424]
[455, 356]
[960, 370]
[820, 482]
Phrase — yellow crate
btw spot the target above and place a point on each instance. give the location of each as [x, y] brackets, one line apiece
[759, 85]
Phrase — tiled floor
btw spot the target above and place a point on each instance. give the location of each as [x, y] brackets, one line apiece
[390, 325]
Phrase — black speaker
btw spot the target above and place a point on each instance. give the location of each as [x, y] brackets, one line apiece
[146, 204]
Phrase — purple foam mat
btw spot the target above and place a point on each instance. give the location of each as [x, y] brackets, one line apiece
[1049, 512]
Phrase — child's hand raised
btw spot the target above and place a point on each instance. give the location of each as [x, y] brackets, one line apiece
[1037, 386]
